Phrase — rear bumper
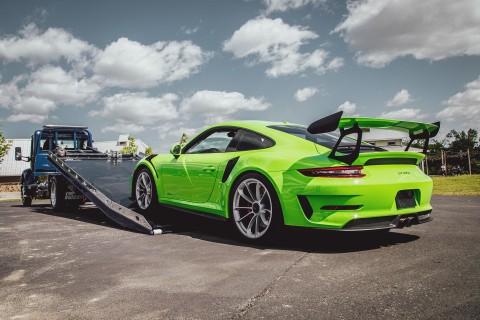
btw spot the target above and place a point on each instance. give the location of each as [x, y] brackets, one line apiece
[367, 203]
[390, 222]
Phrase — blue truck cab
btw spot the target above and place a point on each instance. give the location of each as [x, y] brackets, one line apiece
[59, 139]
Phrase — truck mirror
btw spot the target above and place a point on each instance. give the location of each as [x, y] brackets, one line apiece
[18, 153]
[176, 150]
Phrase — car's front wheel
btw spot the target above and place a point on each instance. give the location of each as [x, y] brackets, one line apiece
[145, 191]
[254, 207]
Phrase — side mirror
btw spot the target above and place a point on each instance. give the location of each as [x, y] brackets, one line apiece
[18, 154]
[176, 150]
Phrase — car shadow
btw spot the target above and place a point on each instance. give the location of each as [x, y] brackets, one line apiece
[296, 239]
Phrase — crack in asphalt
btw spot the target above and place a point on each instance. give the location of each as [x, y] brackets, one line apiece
[251, 302]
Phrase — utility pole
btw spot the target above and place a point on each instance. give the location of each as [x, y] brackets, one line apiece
[469, 163]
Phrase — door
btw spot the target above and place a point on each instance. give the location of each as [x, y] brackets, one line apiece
[192, 176]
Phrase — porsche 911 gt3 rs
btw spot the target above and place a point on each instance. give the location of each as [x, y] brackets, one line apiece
[263, 175]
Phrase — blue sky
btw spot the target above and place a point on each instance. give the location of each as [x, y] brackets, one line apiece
[155, 69]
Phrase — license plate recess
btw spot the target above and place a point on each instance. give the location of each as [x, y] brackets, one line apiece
[405, 199]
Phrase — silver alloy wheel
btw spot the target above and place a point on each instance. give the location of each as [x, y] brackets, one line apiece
[143, 190]
[53, 193]
[252, 208]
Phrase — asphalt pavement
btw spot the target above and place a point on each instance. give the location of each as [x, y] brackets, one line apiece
[78, 265]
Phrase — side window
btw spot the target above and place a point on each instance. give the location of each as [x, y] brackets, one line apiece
[215, 142]
[253, 141]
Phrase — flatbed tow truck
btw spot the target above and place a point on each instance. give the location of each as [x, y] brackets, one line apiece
[65, 168]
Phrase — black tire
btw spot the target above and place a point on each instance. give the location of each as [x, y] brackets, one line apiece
[145, 192]
[57, 194]
[27, 179]
[26, 200]
[255, 211]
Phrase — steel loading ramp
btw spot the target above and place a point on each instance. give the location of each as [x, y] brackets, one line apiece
[106, 183]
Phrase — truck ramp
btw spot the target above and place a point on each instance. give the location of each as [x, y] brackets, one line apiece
[106, 183]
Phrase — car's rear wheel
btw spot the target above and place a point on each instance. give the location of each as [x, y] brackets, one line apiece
[255, 209]
[145, 191]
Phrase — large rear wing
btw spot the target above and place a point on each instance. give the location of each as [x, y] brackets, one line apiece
[347, 126]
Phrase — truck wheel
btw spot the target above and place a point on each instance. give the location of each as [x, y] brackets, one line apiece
[27, 179]
[57, 194]
[26, 200]
[145, 191]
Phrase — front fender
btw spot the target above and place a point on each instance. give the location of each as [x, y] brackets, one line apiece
[144, 163]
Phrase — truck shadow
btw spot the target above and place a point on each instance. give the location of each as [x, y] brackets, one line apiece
[88, 214]
[296, 239]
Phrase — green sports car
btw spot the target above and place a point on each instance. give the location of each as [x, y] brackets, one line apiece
[263, 175]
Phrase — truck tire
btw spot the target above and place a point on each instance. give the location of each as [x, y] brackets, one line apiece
[27, 179]
[57, 194]
[26, 200]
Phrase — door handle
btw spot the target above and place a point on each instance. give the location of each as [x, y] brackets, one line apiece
[209, 169]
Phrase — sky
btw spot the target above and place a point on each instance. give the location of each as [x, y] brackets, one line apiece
[155, 69]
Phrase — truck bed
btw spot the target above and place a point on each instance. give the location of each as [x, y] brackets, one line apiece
[112, 178]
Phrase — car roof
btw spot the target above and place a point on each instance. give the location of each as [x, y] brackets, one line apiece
[254, 124]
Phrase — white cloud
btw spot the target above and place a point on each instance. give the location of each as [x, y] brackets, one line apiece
[176, 130]
[464, 106]
[305, 93]
[278, 44]
[402, 97]
[348, 108]
[220, 103]
[381, 31]
[285, 5]
[9, 92]
[35, 118]
[34, 105]
[124, 127]
[130, 64]
[189, 31]
[36, 47]
[408, 114]
[54, 84]
[138, 108]
[43, 91]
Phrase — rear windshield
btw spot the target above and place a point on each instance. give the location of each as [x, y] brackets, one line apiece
[324, 139]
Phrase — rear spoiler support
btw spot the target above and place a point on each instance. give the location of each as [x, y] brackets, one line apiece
[348, 157]
[423, 135]
[353, 126]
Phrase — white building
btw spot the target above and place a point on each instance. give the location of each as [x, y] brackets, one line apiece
[117, 145]
[11, 170]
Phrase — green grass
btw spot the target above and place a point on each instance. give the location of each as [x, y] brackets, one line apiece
[464, 185]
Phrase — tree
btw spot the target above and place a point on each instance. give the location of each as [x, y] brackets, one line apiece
[437, 145]
[4, 146]
[131, 146]
[148, 151]
[184, 139]
[463, 140]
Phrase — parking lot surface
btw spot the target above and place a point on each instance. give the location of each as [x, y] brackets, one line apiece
[78, 265]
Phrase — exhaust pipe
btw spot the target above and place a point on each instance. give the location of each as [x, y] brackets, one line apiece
[410, 222]
[402, 222]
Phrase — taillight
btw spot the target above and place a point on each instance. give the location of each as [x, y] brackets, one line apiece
[334, 172]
